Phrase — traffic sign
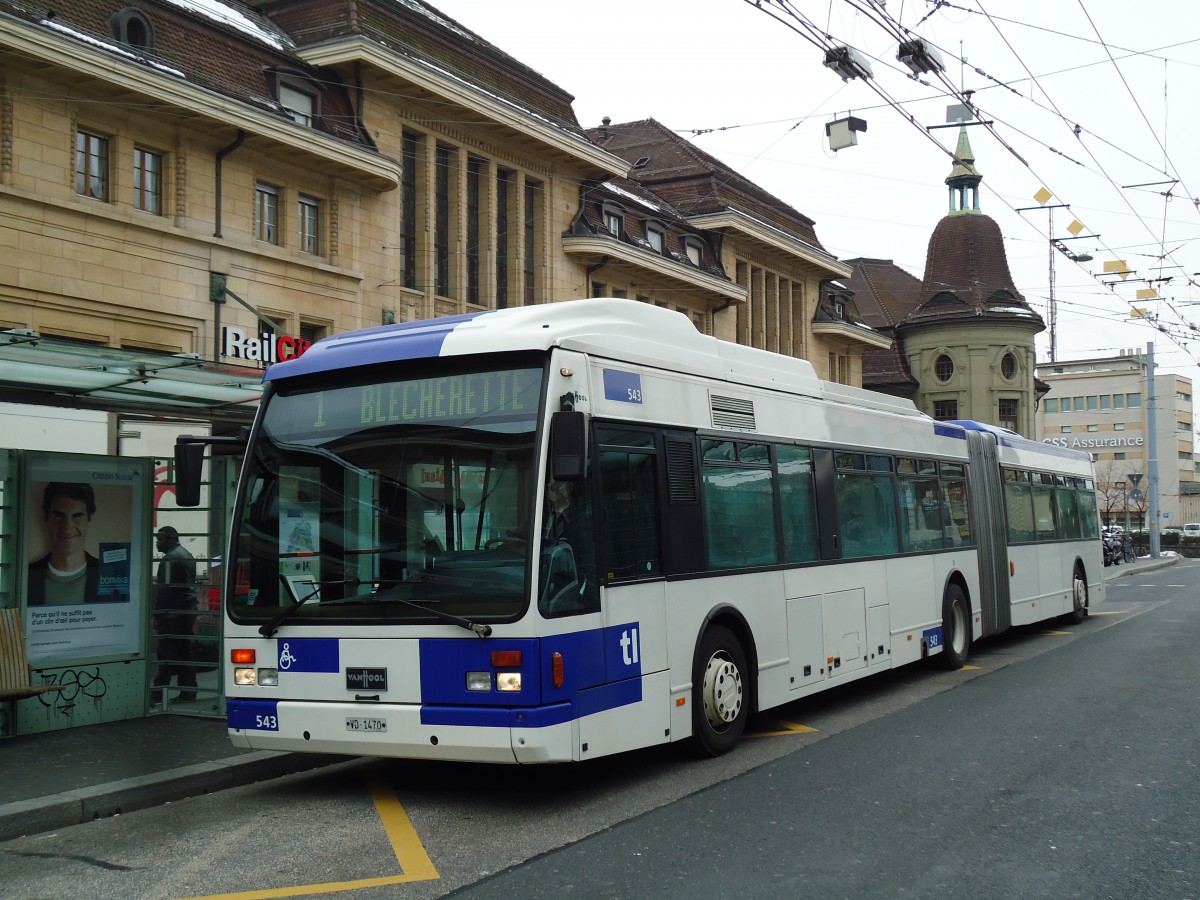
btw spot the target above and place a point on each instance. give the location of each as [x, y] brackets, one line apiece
[1135, 478]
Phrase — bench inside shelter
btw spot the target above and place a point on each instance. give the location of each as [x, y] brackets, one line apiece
[15, 682]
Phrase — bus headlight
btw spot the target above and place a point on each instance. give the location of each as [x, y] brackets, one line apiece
[479, 681]
[508, 681]
[243, 677]
[268, 678]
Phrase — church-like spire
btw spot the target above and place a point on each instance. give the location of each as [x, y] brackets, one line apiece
[964, 177]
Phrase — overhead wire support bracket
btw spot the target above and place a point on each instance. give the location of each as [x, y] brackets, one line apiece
[963, 124]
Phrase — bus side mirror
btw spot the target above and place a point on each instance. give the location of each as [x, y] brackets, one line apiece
[189, 460]
[568, 445]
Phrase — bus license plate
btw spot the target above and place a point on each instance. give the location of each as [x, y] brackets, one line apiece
[355, 723]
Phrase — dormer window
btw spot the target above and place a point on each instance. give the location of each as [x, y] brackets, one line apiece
[656, 237]
[298, 104]
[132, 28]
[694, 250]
[298, 97]
[614, 219]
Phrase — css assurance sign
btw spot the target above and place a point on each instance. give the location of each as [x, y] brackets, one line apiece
[1088, 443]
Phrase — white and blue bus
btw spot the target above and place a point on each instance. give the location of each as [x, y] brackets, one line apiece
[562, 531]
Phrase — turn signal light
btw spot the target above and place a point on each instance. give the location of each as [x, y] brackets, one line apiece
[242, 657]
[506, 659]
[556, 668]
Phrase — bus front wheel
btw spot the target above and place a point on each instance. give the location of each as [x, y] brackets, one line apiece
[956, 628]
[719, 693]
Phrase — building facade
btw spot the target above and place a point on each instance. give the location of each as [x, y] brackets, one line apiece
[1102, 405]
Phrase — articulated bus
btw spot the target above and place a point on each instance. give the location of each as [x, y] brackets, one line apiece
[552, 533]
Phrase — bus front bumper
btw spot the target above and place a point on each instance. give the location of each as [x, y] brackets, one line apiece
[396, 730]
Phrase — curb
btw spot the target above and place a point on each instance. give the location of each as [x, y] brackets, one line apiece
[1133, 568]
[27, 817]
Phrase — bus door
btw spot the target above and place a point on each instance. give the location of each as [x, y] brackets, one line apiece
[627, 460]
[990, 528]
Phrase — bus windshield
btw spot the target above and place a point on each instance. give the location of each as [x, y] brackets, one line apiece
[399, 500]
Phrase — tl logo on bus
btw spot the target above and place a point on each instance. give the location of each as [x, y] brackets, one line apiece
[629, 647]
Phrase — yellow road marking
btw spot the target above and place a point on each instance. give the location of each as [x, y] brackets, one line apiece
[786, 728]
[1056, 634]
[1107, 612]
[973, 668]
[410, 854]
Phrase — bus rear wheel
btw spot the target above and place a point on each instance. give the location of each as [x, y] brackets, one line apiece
[1079, 598]
[719, 695]
[956, 629]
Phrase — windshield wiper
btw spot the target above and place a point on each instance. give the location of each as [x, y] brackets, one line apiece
[423, 605]
[269, 628]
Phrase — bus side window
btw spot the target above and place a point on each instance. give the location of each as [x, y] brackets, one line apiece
[867, 514]
[739, 507]
[1089, 514]
[798, 498]
[1018, 505]
[1043, 508]
[630, 523]
[1067, 503]
[958, 522]
[922, 513]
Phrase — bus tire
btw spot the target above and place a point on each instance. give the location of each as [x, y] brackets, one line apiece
[956, 629]
[720, 695]
[1079, 598]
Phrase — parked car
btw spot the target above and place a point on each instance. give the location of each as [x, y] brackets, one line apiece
[1191, 529]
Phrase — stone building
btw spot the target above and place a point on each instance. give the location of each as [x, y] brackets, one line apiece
[962, 336]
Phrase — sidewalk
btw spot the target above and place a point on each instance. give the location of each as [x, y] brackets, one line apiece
[62, 778]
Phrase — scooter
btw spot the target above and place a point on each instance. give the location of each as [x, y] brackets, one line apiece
[1114, 550]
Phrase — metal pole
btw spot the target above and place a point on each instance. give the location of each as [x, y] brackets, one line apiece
[1125, 501]
[1152, 450]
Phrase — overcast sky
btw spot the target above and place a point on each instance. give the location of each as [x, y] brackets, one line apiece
[750, 90]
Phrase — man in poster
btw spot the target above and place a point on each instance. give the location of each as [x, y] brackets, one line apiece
[83, 595]
[68, 574]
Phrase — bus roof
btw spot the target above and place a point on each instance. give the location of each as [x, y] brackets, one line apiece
[605, 327]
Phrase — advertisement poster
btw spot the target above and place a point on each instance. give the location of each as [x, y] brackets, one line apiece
[86, 558]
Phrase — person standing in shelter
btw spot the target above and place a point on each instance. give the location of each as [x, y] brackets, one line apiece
[175, 604]
[68, 574]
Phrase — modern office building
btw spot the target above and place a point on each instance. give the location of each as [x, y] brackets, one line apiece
[1103, 405]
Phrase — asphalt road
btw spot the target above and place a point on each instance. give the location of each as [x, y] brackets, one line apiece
[1062, 766]
[1072, 774]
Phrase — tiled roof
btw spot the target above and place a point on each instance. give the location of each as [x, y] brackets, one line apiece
[416, 30]
[884, 293]
[695, 182]
[966, 274]
[224, 47]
